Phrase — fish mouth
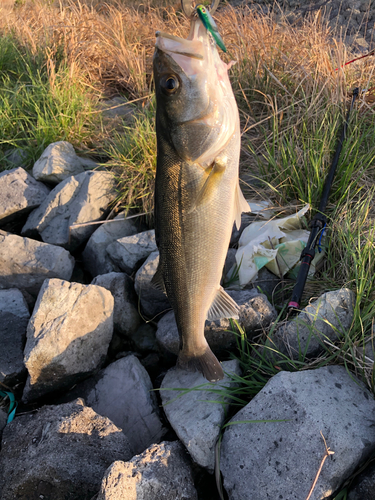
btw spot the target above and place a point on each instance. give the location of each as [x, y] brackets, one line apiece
[175, 45]
[188, 52]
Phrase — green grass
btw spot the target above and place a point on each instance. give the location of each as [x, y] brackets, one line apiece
[40, 103]
[132, 153]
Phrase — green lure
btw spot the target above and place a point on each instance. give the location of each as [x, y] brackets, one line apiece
[210, 25]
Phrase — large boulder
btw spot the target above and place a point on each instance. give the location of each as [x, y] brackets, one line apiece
[324, 319]
[196, 409]
[125, 313]
[95, 256]
[67, 337]
[77, 200]
[123, 392]
[57, 162]
[162, 472]
[26, 263]
[14, 317]
[129, 252]
[19, 194]
[59, 453]
[273, 447]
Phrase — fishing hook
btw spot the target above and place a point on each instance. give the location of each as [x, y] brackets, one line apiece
[188, 7]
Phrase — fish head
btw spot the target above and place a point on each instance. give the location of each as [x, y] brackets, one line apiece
[196, 108]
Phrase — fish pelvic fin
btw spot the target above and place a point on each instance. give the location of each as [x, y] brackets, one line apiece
[241, 206]
[157, 281]
[207, 364]
[223, 306]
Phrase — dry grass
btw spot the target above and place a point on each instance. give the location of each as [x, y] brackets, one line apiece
[112, 44]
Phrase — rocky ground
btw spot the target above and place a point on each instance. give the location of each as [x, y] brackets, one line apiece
[85, 339]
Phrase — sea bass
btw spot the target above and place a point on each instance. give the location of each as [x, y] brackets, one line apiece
[197, 193]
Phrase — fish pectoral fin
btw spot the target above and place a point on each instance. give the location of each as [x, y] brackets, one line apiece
[223, 306]
[210, 184]
[241, 206]
[157, 281]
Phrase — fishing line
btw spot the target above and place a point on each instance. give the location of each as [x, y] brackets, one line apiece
[371, 53]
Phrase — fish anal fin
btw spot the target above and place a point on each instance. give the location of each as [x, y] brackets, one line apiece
[223, 306]
[241, 205]
[216, 171]
[157, 281]
[206, 363]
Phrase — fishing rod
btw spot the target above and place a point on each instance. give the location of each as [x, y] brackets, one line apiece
[319, 221]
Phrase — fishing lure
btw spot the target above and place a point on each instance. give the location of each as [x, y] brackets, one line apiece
[210, 25]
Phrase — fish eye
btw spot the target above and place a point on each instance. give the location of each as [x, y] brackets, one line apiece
[169, 84]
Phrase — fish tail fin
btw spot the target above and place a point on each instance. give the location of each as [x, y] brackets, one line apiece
[207, 364]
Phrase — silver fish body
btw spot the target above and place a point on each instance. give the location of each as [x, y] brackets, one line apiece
[197, 194]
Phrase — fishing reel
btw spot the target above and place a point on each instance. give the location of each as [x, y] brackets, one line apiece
[189, 7]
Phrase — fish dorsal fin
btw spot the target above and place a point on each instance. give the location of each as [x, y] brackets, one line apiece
[157, 281]
[241, 206]
[223, 306]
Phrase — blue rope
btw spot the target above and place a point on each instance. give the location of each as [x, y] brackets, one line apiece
[12, 405]
[320, 239]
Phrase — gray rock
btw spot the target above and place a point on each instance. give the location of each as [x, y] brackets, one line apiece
[67, 337]
[162, 472]
[324, 319]
[125, 312]
[88, 164]
[129, 252]
[153, 301]
[95, 257]
[255, 313]
[58, 162]
[26, 263]
[60, 453]
[265, 460]
[363, 487]
[267, 283]
[79, 199]
[197, 415]
[144, 339]
[19, 194]
[16, 157]
[123, 393]
[167, 334]
[14, 317]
